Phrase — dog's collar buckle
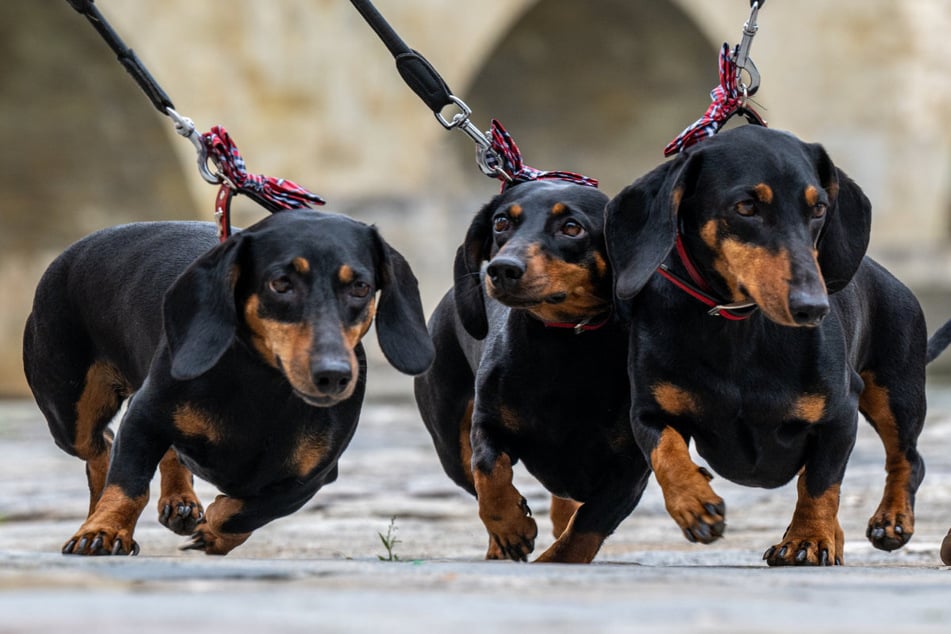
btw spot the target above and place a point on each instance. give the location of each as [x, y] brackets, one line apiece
[585, 325]
[737, 308]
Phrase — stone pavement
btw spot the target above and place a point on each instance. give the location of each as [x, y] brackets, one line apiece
[319, 570]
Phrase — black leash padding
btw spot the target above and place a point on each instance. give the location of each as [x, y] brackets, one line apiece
[126, 55]
[415, 69]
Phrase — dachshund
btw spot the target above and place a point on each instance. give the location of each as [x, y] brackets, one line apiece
[241, 364]
[531, 365]
[759, 330]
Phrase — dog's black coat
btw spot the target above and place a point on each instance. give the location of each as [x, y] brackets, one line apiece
[767, 218]
[244, 359]
[532, 390]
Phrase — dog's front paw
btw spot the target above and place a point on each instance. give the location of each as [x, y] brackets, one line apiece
[511, 535]
[213, 542]
[804, 552]
[181, 513]
[108, 530]
[820, 548]
[699, 512]
[890, 529]
[93, 539]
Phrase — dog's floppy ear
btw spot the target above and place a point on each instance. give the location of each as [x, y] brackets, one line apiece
[467, 283]
[199, 309]
[641, 222]
[848, 225]
[400, 324]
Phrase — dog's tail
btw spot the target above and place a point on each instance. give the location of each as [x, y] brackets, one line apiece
[939, 341]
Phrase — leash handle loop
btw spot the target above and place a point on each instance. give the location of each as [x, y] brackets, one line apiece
[125, 55]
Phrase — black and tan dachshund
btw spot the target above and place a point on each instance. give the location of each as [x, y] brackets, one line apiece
[243, 362]
[759, 330]
[530, 365]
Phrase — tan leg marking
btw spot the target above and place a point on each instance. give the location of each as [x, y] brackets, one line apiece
[573, 547]
[504, 512]
[178, 495]
[101, 397]
[687, 493]
[814, 536]
[209, 535]
[114, 518]
[562, 510]
[895, 515]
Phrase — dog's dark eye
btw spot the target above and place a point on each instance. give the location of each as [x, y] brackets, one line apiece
[819, 211]
[281, 285]
[359, 289]
[501, 223]
[572, 229]
[745, 208]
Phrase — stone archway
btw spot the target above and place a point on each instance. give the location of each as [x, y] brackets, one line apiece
[597, 87]
[83, 149]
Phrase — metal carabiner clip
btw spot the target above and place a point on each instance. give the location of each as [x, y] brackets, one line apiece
[186, 127]
[742, 57]
[486, 158]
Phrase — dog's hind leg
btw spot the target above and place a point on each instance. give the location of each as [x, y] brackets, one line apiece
[78, 399]
[561, 512]
[898, 416]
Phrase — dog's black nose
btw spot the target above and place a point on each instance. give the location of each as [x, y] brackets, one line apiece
[332, 376]
[505, 272]
[808, 309]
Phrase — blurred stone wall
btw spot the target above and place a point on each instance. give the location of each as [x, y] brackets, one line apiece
[310, 94]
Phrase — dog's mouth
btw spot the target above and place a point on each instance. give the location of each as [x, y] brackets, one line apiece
[523, 300]
[319, 400]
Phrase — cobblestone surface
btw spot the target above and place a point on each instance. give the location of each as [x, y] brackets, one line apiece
[319, 570]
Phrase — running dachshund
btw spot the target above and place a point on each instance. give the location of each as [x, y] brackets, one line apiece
[530, 365]
[243, 362]
[760, 330]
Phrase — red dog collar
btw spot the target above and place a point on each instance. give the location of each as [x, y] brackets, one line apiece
[701, 291]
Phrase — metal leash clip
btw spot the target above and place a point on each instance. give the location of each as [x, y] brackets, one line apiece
[186, 127]
[486, 157]
[742, 56]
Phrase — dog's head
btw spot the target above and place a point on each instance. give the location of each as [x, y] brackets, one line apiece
[544, 243]
[299, 289]
[765, 217]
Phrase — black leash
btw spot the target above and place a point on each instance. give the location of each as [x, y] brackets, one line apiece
[415, 69]
[429, 86]
[216, 146]
[126, 55]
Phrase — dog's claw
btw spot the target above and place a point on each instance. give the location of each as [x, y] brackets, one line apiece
[769, 552]
[68, 548]
[824, 558]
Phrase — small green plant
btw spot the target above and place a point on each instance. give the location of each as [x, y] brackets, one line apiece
[389, 542]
